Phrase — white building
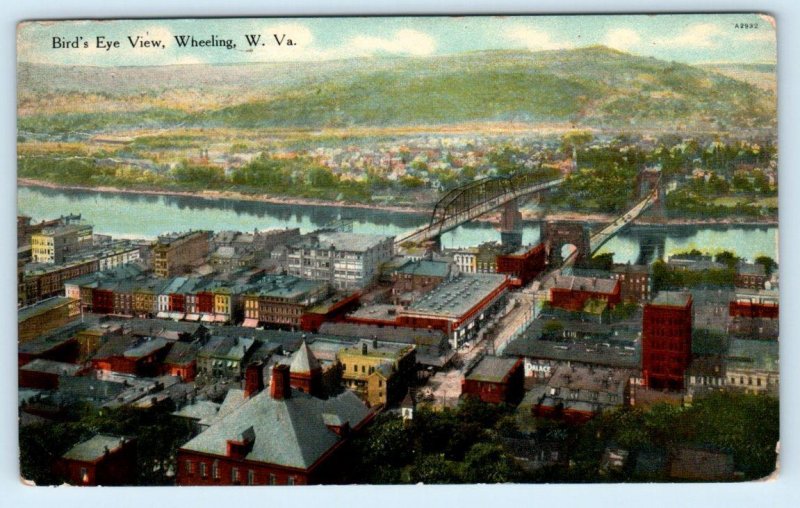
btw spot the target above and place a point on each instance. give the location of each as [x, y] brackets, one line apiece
[346, 260]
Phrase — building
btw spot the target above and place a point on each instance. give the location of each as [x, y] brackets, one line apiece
[54, 244]
[55, 312]
[578, 393]
[44, 374]
[495, 380]
[574, 293]
[224, 357]
[417, 278]
[459, 306]
[397, 365]
[174, 254]
[523, 265]
[43, 281]
[466, 260]
[667, 340]
[101, 460]
[345, 260]
[749, 275]
[751, 366]
[279, 436]
[635, 282]
[281, 300]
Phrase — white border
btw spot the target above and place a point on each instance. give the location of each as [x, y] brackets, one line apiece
[773, 493]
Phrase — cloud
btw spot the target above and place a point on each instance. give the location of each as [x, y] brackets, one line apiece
[703, 35]
[760, 36]
[403, 42]
[622, 39]
[534, 39]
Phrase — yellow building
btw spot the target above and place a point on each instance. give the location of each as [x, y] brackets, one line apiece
[38, 319]
[379, 373]
[53, 245]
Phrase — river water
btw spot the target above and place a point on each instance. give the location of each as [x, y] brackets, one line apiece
[147, 216]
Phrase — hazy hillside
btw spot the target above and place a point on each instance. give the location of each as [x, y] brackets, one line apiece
[593, 86]
[760, 75]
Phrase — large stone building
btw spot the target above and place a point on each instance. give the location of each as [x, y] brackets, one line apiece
[173, 254]
[346, 260]
[279, 436]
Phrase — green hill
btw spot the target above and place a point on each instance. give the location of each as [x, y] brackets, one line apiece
[593, 86]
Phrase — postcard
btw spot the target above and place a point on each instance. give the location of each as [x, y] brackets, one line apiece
[398, 250]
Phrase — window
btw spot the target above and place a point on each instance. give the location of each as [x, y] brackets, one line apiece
[215, 470]
[203, 472]
[290, 480]
[189, 467]
[355, 368]
[273, 480]
[84, 475]
[235, 474]
[251, 477]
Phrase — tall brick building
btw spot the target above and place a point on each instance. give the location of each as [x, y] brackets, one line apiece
[172, 254]
[667, 340]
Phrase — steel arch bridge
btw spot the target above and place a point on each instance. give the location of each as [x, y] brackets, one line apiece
[470, 201]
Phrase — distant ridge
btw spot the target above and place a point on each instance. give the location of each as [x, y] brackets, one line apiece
[592, 86]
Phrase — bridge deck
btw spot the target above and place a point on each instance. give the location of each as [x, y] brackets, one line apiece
[431, 231]
[600, 238]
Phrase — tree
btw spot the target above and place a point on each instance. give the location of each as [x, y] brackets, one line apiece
[727, 258]
[768, 263]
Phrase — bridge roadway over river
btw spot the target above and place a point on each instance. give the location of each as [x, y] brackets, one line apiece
[470, 202]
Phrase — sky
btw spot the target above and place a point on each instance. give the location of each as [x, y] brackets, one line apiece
[692, 38]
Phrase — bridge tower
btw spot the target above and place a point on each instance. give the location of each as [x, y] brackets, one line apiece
[647, 180]
[511, 226]
[557, 234]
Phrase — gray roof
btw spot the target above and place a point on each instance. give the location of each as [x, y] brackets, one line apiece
[583, 351]
[289, 432]
[455, 297]
[94, 448]
[51, 367]
[42, 307]
[350, 242]
[425, 268]
[303, 360]
[145, 348]
[594, 284]
[672, 298]
[204, 411]
[491, 368]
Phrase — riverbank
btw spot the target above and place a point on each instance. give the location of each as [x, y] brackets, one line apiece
[527, 214]
[213, 195]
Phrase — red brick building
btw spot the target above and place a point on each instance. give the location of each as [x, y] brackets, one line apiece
[306, 371]
[634, 282]
[140, 356]
[102, 460]
[525, 265]
[277, 437]
[495, 380]
[572, 293]
[667, 340]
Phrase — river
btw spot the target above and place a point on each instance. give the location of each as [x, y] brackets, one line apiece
[147, 216]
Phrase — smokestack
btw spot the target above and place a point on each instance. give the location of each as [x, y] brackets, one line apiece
[374, 342]
[253, 379]
[279, 388]
[364, 348]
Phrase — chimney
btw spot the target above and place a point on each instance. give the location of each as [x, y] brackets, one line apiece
[253, 379]
[279, 388]
[364, 348]
[374, 342]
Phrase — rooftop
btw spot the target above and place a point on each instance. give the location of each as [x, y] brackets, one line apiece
[594, 284]
[425, 268]
[94, 448]
[753, 354]
[38, 308]
[492, 368]
[288, 432]
[51, 367]
[348, 242]
[672, 299]
[457, 296]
